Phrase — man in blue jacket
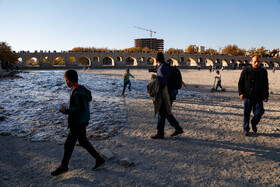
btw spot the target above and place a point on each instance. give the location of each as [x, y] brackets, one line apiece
[163, 74]
[78, 118]
[253, 89]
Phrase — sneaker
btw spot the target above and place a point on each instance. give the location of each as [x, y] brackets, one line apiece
[157, 136]
[176, 132]
[245, 132]
[255, 129]
[98, 164]
[59, 170]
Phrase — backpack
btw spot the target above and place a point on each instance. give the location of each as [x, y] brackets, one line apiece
[175, 79]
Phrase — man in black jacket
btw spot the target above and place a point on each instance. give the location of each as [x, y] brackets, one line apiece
[253, 89]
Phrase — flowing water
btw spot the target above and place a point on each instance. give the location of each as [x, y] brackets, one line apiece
[29, 104]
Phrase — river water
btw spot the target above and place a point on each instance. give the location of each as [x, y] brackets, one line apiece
[28, 104]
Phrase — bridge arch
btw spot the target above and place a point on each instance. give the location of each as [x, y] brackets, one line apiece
[217, 61]
[72, 59]
[59, 61]
[276, 64]
[224, 63]
[265, 64]
[131, 61]
[32, 61]
[173, 61]
[141, 59]
[209, 62]
[19, 60]
[95, 59]
[46, 59]
[119, 58]
[84, 61]
[151, 61]
[108, 61]
[191, 62]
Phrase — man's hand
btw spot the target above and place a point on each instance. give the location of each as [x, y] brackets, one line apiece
[242, 96]
[62, 110]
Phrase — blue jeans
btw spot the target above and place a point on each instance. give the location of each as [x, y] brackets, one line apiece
[125, 84]
[162, 115]
[258, 110]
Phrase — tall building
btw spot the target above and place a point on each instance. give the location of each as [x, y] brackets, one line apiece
[151, 43]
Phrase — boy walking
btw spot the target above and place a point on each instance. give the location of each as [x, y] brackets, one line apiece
[219, 80]
[126, 81]
[253, 89]
[78, 118]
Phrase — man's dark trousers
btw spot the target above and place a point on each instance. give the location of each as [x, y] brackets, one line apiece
[258, 110]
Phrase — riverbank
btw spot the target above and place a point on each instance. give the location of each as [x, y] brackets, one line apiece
[211, 152]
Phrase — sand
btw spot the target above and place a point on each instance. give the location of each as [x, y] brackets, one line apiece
[211, 152]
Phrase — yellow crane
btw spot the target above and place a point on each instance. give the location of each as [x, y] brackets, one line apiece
[151, 32]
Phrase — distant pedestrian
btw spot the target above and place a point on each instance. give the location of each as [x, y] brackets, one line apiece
[163, 75]
[253, 89]
[78, 118]
[219, 80]
[210, 68]
[126, 81]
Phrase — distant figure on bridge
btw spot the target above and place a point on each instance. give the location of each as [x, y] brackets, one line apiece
[126, 81]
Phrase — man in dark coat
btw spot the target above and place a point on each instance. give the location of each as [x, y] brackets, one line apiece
[253, 89]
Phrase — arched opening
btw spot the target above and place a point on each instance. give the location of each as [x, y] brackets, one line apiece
[191, 62]
[173, 62]
[231, 61]
[32, 62]
[276, 64]
[131, 61]
[19, 60]
[217, 61]
[141, 59]
[246, 62]
[224, 63]
[59, 61]
[182, 59]
[108, 61]
[84, 61]
[151, 61]
[119, 58]
[265, 64]
[239, 64]
[95, 59]
[200, 60]
[209, 62]
[72, 59]
[46, 59]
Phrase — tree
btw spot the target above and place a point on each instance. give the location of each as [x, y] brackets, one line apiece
[191, 49]
[233, 50]
[6, 53]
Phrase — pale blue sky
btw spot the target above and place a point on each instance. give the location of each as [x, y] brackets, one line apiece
[65, 24]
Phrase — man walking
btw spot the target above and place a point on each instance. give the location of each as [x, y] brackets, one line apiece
[253, 89]
[163, 74]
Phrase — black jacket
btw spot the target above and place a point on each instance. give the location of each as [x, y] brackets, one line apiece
[78, 112]
[245, 84]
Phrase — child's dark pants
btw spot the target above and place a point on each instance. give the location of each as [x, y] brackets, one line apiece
[77, 133]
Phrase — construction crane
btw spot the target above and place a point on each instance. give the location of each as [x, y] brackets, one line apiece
[151, 32]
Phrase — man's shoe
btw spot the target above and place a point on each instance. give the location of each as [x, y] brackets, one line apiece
[157, 136]
[59, 170]
[245, 132]
[176, 132]
[99, 164]
[255, 129]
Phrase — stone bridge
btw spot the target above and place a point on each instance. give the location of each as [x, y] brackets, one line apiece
[133, 60]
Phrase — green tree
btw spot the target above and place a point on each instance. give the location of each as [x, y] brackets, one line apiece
[6, 53]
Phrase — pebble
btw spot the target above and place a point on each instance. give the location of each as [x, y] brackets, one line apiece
[106, 153]
[126, 162]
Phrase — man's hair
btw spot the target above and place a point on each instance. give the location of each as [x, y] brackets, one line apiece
[217, 71]
[127, 69]
[160, 57]
[256, 54]
[71, 75]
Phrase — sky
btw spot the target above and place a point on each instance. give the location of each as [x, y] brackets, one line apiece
[65, 24]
